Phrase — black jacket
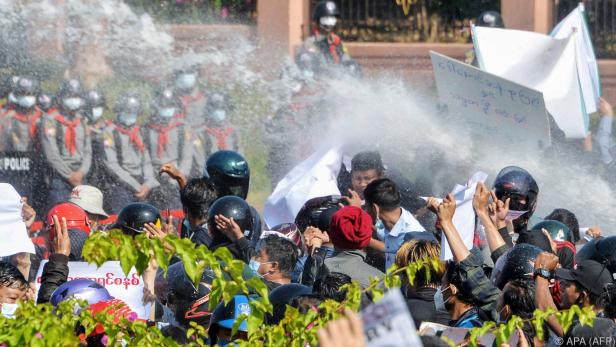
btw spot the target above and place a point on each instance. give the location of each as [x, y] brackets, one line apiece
[315, 268]
[54, 274]
[422, 307]
[219, 240]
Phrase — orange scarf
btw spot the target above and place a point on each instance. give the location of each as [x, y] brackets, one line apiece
[221, 135]
[32, 121]
[133, 136]
[70, 135]
[163, 135]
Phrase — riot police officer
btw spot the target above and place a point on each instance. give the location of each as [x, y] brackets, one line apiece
[125, 157]
[66, 143]
[95, 105]
[20, 137]
[165, 138]
[215, 132]
[186, 83]
[323, 38]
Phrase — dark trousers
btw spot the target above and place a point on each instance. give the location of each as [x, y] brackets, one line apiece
[59, 191]
[118, 197]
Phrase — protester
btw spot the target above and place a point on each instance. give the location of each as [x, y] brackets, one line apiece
[197, 196]
[275, 261]
[90, 199]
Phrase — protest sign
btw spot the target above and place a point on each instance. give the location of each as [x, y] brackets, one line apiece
[493, 108]
[389, 323]
[539, 62]
[575, 25]
[13, 232]
[127, 288]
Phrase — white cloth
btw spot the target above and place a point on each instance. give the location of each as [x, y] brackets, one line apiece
[575, 24]
[539, 62]
[314, 177]
[13, 232]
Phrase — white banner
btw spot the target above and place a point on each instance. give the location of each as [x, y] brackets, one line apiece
[575, 24]
[13, 232]
[492, 107]
[314, 177]
[539, 62]
[126, 288]
[389, 323]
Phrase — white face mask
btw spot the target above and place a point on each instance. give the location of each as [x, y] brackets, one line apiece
[219, 115]
[97, 112]
[128, 119]
[72, 103]
[186, 81]
[439, 302]
[8, 310]
[307, 74]
[167, 112]
[12, 98]
[26, 101]
[328, 22]
[513, 215]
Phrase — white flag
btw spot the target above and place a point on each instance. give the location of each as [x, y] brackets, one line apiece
[314, 177]
[539, 62]
[575, 24]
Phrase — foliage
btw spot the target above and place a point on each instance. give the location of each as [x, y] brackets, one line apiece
[40, 325]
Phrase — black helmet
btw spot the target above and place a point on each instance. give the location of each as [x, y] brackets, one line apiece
[281, 297]
[191, 302]
[95, 98]
[45, 101]
[218, 101]
[229, 172]
[128, 102]
[516, 183]
[557, 230]
[27, 85]
[600, 250]
[72, 87]
[318, 212]
[232, 207]
[517, 263]
[324, 9]
[9, 84]
[491, 19]
[224, 316]
[134, 216]
[165, 97]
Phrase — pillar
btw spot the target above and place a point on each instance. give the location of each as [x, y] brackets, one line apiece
[531, 15]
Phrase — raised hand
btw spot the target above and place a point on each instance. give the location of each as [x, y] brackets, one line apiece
[61, 243]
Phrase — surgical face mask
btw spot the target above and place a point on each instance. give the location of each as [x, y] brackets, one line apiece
[219, 115]
[379, 224]
[8, 310]
[186, 81]
[328, 23]
[12, 99]
[166, 112]
[254, 266]
[72, 103]
[128, 119]
[97, 112]
[26, 101]
[307, 74]
[439, 301]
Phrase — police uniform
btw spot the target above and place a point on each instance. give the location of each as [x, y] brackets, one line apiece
[128, 162]
[67, 148]
[329, 45]
[20, 143]
[166, 144]
[192, 106]
[97, 176]
[206, 140]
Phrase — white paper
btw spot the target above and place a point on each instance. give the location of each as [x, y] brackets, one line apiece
[491, 107]
[126, 288]
[314, 177]
[575, 24]
[539, 62]
[389, 322]
[464, 217]
[13, 232]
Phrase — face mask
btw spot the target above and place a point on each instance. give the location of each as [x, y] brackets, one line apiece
[26, 101]
[72, 103]
[219, 115]
[254, 266]
[439, 302]
[12, 98]
[379, 224]
[308, 74]
[8, 310]
[513, 215]
[97, 112]
[167, 112]
[328, 23]
[186, 81]
[128, 119]
[500, 317]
